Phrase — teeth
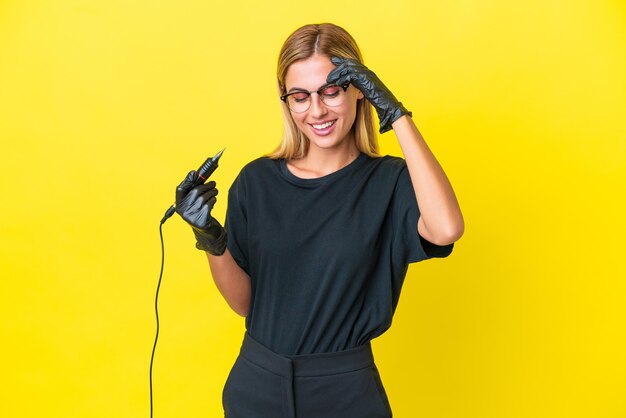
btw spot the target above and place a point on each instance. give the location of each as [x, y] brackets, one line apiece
[323, 125]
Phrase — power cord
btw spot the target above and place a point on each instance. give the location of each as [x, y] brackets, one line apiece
[156, 310]
[203, 173]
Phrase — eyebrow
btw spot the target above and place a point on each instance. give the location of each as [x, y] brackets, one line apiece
[301, 89]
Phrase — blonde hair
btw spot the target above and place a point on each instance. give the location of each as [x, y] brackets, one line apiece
[329, 40]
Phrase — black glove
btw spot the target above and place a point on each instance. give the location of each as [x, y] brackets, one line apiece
[389, 109]
[194, 205]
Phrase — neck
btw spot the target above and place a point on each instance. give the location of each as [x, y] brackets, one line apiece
[323, 161]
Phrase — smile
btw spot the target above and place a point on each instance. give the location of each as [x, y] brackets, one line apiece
[323, 125]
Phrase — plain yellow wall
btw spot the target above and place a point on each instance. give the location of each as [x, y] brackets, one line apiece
[106, 105]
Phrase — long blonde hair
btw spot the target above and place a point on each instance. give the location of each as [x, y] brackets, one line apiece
[329, 40]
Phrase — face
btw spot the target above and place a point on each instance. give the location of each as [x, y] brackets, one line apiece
[325, 126]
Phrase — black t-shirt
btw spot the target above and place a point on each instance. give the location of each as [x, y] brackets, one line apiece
[327, 256]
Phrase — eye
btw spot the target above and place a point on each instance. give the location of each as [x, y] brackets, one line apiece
[299, 97]
[331, 91]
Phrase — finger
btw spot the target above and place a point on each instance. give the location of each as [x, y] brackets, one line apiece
[183, 188]
[355, 64]
[210, 203]
[337, 74]
[203, 188]
[201, 211]
[344, 79]
[340, 76]
[207, 195]
[337, 60]
[333, 75]
[197, 196]
[198, 214]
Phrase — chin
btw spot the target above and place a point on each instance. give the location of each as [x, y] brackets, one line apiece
[327, 142]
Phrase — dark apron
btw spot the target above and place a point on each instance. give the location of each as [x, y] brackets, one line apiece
[343, 384]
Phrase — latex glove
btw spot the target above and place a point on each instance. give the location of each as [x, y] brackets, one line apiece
[389, 109]
[194, 205]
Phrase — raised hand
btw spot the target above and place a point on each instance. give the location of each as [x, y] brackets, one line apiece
[388, 108]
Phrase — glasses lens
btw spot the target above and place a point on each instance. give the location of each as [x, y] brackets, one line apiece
[299, 102]
[333, 95]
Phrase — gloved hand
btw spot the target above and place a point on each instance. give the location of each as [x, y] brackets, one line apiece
[194, 205]
[389, 109]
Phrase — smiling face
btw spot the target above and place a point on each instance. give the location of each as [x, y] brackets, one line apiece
[325, 126]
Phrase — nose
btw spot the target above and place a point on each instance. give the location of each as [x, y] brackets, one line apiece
[318, 108]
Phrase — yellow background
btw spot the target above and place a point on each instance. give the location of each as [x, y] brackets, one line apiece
[105, 105]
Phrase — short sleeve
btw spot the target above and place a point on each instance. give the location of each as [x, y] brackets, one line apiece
[408, 245]
[236, 224]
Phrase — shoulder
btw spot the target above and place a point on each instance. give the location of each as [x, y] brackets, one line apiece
[256, 170]
[392, 162]
[388, 165]
[258, 165]
[387, 172]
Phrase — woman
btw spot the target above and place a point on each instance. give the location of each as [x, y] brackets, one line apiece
[319, 234]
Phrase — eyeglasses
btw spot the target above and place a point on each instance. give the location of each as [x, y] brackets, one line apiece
[332, 95]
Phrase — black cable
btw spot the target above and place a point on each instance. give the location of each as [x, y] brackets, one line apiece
[156, 310]
[203, 173]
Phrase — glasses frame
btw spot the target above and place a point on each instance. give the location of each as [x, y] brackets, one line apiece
[284, 97]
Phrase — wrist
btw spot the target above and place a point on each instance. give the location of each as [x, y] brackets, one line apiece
[212, 239]
[391, 115]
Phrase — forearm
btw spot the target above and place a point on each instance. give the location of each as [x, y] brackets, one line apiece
[441, 221]
[232, 282]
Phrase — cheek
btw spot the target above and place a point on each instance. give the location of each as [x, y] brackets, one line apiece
[353, 101]
[298, 119]
[350, 110]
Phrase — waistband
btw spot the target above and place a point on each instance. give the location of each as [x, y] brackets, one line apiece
[307, 365]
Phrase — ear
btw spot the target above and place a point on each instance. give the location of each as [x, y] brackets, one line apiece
[359, 94]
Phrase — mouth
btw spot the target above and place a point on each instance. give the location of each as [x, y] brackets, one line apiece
[324, 128]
